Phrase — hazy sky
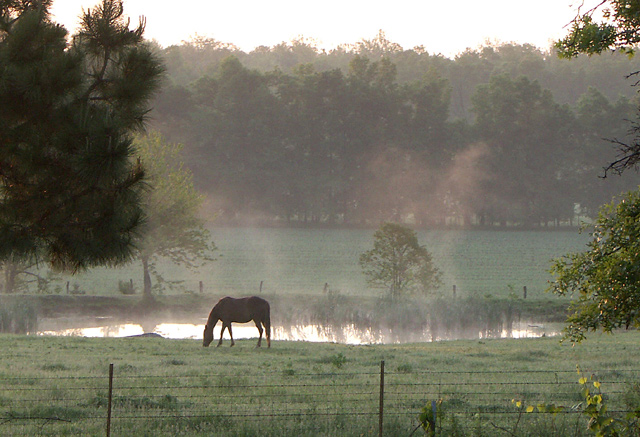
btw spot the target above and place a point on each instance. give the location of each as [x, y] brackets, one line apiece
[441, 26]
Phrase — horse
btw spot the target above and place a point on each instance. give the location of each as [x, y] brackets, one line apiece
[243, 310]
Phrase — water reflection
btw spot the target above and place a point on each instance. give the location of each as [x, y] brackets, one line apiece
[345, 334]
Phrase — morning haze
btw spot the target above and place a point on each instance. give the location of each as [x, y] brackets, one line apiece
[384, 189]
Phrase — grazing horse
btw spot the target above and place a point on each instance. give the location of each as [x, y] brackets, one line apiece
[241, 310]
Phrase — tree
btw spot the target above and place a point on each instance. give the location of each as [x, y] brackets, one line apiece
[598, 118]
[618, 30]
[173, 228]
[606, 276]
[69, 188]
[529, 139]
[235, 130]
[397, 262]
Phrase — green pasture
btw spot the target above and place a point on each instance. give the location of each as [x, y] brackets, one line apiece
[301, 261]
[59, 386]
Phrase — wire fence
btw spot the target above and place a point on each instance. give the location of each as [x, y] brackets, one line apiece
[289, 402]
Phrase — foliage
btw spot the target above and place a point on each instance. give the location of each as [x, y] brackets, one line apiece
[525, 164]
[293, 136]
[397, 262]
[619, 29]
[173, 228]
[602, 422]
[19, 276]
[69, 188]
[429, 415]
[606, 276]
[126, 287]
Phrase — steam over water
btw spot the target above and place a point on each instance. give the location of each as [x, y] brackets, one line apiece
[349, 334]
[318, 292]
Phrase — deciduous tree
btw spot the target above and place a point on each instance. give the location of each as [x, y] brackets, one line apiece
[619, 29]
[604, 279]
[173, 228]
[398, 262]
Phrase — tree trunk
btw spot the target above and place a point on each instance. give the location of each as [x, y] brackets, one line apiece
[10, 273]
[146, 292]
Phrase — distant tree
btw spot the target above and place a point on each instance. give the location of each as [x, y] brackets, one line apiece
[399, 263]
[604, 279]
[598, 118]
[529, 141]
[377, 47]
[171, 203]
[17, 278]
[69, 188]
[312, 172]
[235, 134]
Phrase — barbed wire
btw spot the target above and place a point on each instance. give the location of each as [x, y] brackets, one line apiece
[53, 402]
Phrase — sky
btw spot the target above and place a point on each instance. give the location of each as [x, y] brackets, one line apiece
[442, 26]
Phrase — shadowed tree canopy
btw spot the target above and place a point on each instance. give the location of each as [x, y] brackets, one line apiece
[69, 186]
[619, 29]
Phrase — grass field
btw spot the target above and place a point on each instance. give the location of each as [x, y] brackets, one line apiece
[302, 261]
[58, 386]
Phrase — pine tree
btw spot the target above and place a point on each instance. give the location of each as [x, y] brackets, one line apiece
[69, 184]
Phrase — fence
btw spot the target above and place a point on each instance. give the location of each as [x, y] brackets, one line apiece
[291, 402]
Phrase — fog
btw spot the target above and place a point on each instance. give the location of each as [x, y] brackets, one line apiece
[348, 334]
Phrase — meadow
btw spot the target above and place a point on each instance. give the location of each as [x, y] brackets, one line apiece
[301, 261]
[59, 386]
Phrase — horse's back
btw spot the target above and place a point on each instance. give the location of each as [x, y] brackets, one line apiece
[257, 302]
[243, 309]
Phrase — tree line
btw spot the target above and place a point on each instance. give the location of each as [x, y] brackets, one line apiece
[376, 133]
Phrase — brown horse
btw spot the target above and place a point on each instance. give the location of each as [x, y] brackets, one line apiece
[241, 310]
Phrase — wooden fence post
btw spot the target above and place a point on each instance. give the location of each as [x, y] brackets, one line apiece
[381, 412]
[432, 422]
[110, 398]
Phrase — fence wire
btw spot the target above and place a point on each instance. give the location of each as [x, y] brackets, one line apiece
[291, 403]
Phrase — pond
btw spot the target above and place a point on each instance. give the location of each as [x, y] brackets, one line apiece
[345, 334]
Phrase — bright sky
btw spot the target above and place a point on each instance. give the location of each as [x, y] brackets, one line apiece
[441, 26]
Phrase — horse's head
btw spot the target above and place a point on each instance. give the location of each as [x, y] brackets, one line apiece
[207, 337]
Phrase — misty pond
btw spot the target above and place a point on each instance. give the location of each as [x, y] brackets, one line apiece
[345, 334]
[296, 264]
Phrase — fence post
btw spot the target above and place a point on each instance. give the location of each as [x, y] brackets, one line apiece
[109, 401]
[381, 412]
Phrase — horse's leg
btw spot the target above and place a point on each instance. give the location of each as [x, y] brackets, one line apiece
[224, 325]
[230, 334]
[259, 326]
[267, 328]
